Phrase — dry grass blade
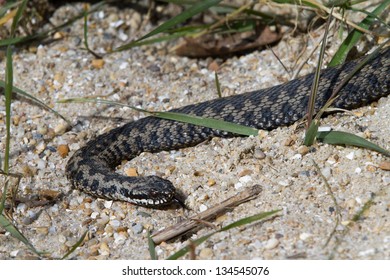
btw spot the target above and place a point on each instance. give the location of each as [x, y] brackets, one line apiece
[310, 112]
[241, 222]
[211, 213]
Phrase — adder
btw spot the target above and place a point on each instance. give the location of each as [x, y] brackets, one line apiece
[90, 169]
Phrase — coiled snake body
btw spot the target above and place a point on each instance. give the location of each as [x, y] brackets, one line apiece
[90, 169]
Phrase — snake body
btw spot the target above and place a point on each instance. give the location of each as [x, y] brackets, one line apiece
[90, 169]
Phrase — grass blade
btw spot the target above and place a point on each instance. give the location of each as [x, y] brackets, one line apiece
[190, 12]
[353, 37]
[207, 122]
[44, 34]
[314, 88]
[86, 36]
[76, 245]
[18, 14]
[241, 222]
[311, 133]
[345, 138]
[152, 247]
[8, 226]
[36, 100]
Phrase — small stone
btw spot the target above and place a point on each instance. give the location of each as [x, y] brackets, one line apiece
[304, 236]
[284, 183]
[271, 244]
[245, 179]
[358, 170]
[303, 150]
[61, 128]
[221, 219]
[16, 120]
[213, 66]
[42, 129]
[259, 154]
[202, 208]
[42, 230]
[58, 35]
[104, 249]
[371, 168]
[206, 253]
[245, 172]
[98, 63]
[63, 150]
[367, 253]
[211, 182]
[115, 223]
[108, 204]
[137, 228]
[40, 147]
[61, 238]
[350, 203]
[326, 172]
[290, 141]
[132, 172]
[385, 165]
[58, 77]
[350, 155]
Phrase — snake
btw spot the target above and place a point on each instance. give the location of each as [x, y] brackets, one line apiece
[91, 168]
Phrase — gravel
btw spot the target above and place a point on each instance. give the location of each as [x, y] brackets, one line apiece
[153, 78]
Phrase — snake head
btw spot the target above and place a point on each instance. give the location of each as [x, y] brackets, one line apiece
[152, 192]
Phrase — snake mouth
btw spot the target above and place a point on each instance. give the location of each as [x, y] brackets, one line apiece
[158, 199]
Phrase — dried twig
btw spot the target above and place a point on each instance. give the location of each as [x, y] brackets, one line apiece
[194, 221]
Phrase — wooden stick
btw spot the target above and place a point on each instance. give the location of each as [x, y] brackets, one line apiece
[211, 213]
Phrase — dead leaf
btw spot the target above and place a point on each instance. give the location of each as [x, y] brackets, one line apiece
[228, 44]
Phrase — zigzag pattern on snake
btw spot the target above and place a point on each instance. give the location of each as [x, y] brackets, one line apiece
[90, 169]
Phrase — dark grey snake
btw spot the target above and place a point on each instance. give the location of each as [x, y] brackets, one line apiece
[90, 169]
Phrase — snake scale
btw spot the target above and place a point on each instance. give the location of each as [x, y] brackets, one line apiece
[90, 169]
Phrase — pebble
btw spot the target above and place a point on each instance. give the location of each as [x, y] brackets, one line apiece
[304, 236]
[327, 172]
[211, 182]
[40, 147]
[384, 165]
[303, 150]
[115, 223]
[108, 204]
[61, 238]
[14, 253]
[63, 150]
[271, 244]
[97, 63]
[137, 228]
[245, 172]
[245, 179]
[206, 253]
[202, 208]
[367, 252]
[358, 170]
[61, 128]
[104, 249]
[259, 154]
[350, 156]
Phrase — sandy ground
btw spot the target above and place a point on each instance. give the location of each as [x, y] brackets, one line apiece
[153, 78]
